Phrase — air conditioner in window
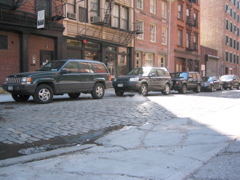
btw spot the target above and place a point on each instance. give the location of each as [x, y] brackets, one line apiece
[228, 11]
[95, 19]
[71, 15]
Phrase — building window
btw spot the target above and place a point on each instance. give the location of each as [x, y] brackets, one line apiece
[230, 57]
[164, 36]
[188, 40]
[71, 6]
[180, 37]
[44, 5]
[140, 27]
[195, 41]
[164, 10]
[226, 58]
[83, 13]
[116, 16]
[152, 32]
[140, 4]
[3, 42]
[125, 17]
[195, 18]
[162, 60]
[149, 59]
[94, 8]
[153, 6]
[180, 11]
[226, 24]
[226, 42]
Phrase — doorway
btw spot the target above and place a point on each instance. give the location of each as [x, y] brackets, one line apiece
[45, 57]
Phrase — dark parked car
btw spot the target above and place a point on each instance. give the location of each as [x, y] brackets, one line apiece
[59, 77]
[230, 81]
[143, 80]
[183, 81]
[212, 83]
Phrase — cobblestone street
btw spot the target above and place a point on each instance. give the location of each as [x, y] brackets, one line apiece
[67, 120]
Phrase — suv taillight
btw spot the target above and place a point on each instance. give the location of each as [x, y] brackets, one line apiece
[109, 77]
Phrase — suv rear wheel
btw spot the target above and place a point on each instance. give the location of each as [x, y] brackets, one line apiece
[183, 90]
[198, 88]
[43, 94]
[166, 90]
[118, 93]
[20, 98]
[98, 91]
[143, 90]
[74, 95]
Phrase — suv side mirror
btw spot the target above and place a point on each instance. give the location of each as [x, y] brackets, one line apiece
[63, 71]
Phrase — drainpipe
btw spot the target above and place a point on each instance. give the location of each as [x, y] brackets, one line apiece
[169, 36]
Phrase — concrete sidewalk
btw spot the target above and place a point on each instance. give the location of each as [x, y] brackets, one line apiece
[205, 147]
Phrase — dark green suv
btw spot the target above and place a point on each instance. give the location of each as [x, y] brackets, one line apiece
[184, 81]
[59, 77]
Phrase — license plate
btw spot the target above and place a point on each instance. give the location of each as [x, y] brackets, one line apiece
[10, 88]
[120, 85]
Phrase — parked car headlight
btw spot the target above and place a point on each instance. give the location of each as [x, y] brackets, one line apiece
[134, 79]
[26, 80]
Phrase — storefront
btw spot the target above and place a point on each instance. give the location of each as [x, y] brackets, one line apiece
[116, 58]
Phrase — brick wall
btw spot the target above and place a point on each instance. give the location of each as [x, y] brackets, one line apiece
[10, 57]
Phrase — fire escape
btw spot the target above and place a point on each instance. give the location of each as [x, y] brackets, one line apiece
[192, 25]
[23, 13]
[100, 29]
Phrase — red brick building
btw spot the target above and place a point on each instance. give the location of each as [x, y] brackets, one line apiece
[220, 30]
[185, 36]
[23, 46]
[151, 46]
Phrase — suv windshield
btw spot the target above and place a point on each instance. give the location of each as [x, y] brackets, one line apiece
[180, 75]
[52, 66]
[223, 78]
[144, 71]
[207, 78]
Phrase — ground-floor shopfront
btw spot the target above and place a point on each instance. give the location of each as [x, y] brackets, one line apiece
[117, 58]
[186, 61]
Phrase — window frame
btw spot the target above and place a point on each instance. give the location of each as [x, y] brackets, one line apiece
[153, 32]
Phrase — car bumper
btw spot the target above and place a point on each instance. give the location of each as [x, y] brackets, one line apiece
[126, 86]
[176, 86]
[19, 89]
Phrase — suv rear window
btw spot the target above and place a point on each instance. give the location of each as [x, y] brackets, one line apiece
[99, 68]
[86, 67]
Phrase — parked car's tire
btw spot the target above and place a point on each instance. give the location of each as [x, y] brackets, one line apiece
[198, 88]
[238, 87]
[212, 88]
[183, 89]
[231, 87]
[166, 90]
[43, 94]
[20, 98]
[74, 95]
[118, 93]
[98, 91]
[143, 90]
[221, 88]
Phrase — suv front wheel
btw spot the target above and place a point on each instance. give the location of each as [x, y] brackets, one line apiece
[43, 94]
[98, 91]
[20, 98]
[143, 90]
